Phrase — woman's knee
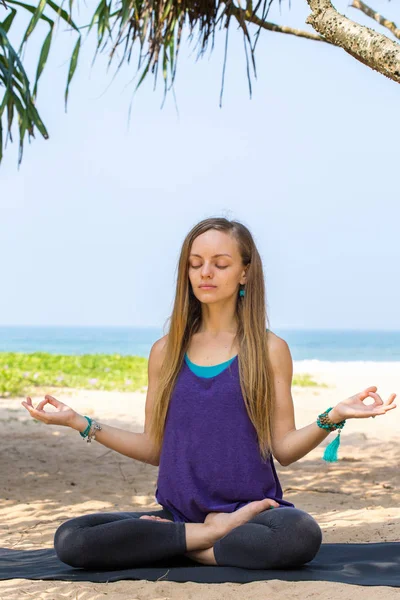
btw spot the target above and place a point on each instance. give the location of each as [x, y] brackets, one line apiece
[298, 535]
[274, 539]
[69, 543]
[304, 535]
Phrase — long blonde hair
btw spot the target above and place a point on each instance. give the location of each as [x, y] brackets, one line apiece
[255, 371]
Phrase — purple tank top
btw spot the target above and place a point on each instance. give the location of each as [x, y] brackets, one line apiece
[210, 460]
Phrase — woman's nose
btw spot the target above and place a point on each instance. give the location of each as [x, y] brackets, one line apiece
[206, 276]
[206, 270]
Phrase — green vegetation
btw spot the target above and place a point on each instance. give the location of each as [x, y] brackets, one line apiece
[305, 380]
[22, 374]
[25, 374]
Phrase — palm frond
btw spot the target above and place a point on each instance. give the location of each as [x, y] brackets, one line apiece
[17, 99]
[154, 28]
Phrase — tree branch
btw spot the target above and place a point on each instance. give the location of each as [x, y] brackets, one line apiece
[373, 49]
[377, 17]
[246, 15]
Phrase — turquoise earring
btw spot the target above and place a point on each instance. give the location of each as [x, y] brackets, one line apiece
[242, 293]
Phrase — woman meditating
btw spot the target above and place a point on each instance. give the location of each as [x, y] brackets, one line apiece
[218, 411]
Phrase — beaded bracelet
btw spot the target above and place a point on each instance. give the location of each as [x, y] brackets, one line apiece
[323, 421]
[90, 431]
[84, 433]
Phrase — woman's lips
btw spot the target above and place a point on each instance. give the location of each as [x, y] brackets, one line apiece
[208, 287]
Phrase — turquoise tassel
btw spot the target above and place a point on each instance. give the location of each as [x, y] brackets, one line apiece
[330, 454]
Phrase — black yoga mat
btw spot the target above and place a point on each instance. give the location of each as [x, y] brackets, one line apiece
[360, 564]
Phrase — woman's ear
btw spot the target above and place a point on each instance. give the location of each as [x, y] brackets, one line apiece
[244, 275]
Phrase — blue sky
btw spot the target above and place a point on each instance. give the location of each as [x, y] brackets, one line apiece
[92, 223]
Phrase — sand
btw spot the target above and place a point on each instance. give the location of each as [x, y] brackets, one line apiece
[49, 474]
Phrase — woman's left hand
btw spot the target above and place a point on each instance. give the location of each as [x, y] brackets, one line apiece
[354, 407]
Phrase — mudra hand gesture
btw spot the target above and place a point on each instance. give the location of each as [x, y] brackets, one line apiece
[354, 407]
[62, 416]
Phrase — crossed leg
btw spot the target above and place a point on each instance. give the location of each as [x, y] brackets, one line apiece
[282, 538]
[279, 538]
[118, 540]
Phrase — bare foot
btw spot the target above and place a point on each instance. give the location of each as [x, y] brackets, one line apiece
[222, 522]
[155, 518]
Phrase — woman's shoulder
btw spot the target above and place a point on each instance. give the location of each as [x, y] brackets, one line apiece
[161, 343]
[158, 348]
[276, 343]
[279, 354]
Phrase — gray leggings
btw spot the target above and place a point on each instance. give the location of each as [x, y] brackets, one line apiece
[275, 538]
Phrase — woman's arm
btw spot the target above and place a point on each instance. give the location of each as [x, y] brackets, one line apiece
[135, 445]
[138, 446]
[290, 444]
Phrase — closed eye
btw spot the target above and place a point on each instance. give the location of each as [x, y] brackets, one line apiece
[198, 267]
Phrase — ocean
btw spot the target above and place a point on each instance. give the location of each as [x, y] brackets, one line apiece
[323, 345]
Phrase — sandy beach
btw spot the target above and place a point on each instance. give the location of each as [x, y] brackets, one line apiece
[49, 474]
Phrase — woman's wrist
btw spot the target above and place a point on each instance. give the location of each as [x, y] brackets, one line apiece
[334, 417]
[79, 423]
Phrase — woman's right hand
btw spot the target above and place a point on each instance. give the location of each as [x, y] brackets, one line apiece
[64, 415]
